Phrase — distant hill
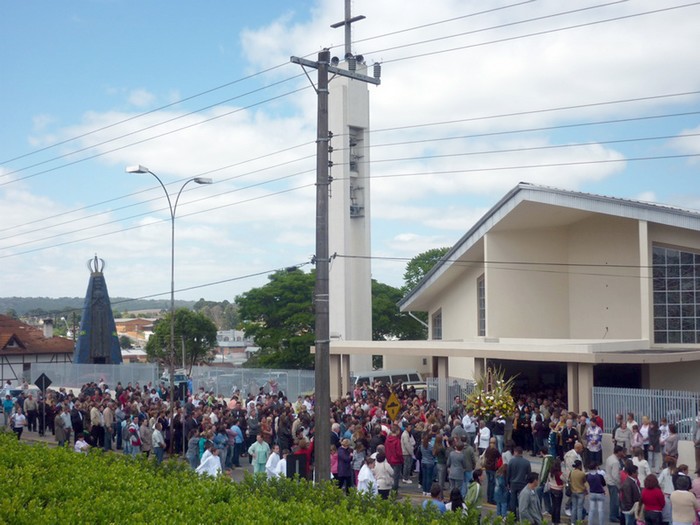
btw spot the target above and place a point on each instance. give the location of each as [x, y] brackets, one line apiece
[49, 305]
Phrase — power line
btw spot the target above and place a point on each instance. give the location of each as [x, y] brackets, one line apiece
[545, 110]
[499, 26]
[274, 98]
[145, 113]
[530, 166]
[237, 81]
[413, 174]
[527, 266]
[198, 286]
[440, 123]
[148, 139]
[532, 130]
[74, 241]
[533, 148]
[176, 182]
[539, 33]
[399, 159]
[83, 218]
[439, 22]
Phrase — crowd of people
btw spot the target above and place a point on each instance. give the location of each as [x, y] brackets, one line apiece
[451, 454]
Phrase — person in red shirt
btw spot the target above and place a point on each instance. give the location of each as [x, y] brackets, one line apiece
[394, 454]
[653, 500]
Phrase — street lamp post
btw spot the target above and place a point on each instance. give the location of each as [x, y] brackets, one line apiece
[173, 208]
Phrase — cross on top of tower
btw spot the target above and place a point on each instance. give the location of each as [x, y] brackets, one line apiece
[347, 22]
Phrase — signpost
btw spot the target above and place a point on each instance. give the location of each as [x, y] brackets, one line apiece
[393, 406]
[43, 382]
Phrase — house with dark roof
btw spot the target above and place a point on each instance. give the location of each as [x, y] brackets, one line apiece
[22, 345]
[561, 288]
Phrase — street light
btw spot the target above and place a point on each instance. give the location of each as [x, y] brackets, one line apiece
[173, 208]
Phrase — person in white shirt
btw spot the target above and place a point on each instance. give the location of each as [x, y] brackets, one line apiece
[272, 462]
[81, 445]
[469, 425]
[281, 469]
[210, 463]
[483, 437]
[366, 482]
[158, 442]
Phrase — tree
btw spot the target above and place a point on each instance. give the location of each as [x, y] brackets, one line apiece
[124, 342]
[388, 322]
[279, 317]
[223, 314]
[420, 265]
[194, 330]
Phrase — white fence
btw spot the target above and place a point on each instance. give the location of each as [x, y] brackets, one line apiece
[680, 408]
[223, 380]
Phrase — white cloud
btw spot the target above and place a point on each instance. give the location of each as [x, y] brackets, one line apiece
[141, 98]
[249, 221]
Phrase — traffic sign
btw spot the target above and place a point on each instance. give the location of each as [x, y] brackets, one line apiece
[43, 382]
[393, 406]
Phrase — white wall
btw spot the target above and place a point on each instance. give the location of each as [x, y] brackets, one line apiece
[604, 293]
[527, 300]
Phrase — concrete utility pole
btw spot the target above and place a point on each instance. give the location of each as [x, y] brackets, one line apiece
[322, 428]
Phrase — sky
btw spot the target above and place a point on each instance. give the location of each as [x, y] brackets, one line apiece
[594, 96]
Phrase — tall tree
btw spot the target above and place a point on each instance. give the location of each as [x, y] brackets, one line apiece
[420, 265]
[279, 317]
[194, 330]
[387, 321]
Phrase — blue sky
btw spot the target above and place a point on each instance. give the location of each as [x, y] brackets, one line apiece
[91, 87]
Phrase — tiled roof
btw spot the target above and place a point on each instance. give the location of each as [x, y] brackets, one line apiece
[18, 338]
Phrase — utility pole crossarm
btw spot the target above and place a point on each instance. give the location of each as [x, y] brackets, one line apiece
[336, 70]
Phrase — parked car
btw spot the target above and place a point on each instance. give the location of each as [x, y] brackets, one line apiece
[180, 377]
[15, 392]
[391, 377]
[686, 427]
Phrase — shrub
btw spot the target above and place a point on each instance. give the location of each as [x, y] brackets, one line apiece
[40, 484]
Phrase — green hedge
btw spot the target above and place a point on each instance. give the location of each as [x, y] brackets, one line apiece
[40, 484]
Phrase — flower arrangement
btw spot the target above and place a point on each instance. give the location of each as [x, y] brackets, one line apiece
[492, 393]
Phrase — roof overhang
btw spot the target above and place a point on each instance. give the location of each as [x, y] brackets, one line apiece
[564, 207]
[537, 350]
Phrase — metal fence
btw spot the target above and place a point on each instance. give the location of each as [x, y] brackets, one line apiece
[443, 390]
[223, 380]
[679, 408]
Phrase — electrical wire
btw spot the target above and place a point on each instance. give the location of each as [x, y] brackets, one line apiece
[242, 79]
[175, 182]
[144, 114]
[499, 26]
[274, 98]
[539, 33]
[419, 125]
[101, 235]
[198, 286]
[400, 159]
[148, 139]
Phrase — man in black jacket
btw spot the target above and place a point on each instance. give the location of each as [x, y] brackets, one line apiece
[76, 419]
[630, 493]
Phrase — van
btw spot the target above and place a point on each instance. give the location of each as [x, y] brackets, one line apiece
[406, 377]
